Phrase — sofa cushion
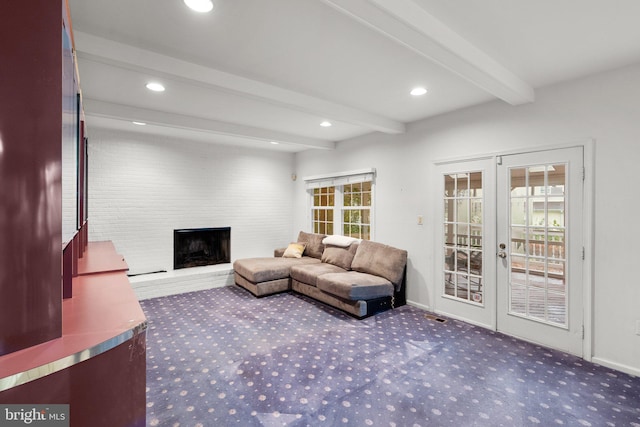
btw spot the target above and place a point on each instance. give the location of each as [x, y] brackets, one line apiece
[339, 256]
[314, 243]
[380, 260]
[294, 250]
[259, 270]
[309, 273]
[353, 285]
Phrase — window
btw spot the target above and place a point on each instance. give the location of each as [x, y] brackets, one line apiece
[356, 210]
[343, 204]
[323, 205]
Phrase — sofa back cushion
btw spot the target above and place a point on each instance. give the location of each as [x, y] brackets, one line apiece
[314, 246]
[381, 260]
[339, 256]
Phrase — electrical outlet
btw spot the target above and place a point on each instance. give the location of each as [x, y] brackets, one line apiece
[419, 219]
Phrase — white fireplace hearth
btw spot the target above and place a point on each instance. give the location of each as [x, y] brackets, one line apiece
[154, 285]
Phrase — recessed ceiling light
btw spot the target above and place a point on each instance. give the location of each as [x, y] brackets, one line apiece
[201, 6]
[325, 124]
[139, 123]
[417, 91]
[156, 87]
[275, 142]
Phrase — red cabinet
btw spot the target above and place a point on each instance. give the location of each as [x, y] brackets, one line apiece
[30, 173]
[87, 350]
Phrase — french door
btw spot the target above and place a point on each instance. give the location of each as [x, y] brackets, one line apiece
[540, 247]
[509, 245]
[466, 241]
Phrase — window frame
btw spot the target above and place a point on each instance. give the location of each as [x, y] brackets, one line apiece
[338, 181]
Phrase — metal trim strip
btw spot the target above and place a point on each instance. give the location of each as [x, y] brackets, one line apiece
[36, 373]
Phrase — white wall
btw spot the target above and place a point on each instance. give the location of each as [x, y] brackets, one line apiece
[604, 107]
[141, 188]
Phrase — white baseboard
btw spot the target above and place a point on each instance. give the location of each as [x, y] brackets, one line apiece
[597, 360]
[617, 366]
[181, 281]
[418, 305]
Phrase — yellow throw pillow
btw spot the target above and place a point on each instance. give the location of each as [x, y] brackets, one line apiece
[294, 250]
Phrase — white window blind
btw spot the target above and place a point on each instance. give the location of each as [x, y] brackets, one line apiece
[342, 178]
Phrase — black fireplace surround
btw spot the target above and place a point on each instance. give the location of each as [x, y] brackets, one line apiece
[195, 247]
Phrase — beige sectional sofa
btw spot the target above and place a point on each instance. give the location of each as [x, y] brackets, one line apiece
[361, 278]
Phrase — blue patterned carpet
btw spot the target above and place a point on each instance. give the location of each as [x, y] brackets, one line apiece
[224, 358]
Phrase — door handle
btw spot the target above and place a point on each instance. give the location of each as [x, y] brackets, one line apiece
[502, 253]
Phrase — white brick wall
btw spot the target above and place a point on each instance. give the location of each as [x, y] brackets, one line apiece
[142, 187]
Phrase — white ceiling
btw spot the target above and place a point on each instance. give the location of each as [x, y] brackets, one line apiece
[255, 71]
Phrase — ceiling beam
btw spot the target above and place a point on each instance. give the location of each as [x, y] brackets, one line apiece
[136, 59]
[408, 24]
[111, 110]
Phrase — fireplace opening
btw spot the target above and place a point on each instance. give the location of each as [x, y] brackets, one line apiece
[196, 247]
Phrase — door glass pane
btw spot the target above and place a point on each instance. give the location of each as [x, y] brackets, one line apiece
[518, 299]
[449, 276]
[557, 309]
[463, 230]
[537, 243]
[518, 210]
[462, 210]
[461, 237]
[555, 244]
[535, 180]
[518, 241]
[449, 185]
[448, 209]
[462, 185]
[475, 184]
[476, 211]
[475, 236]
[537, 211]
[536, 303]
[449, 235]
[518, 184]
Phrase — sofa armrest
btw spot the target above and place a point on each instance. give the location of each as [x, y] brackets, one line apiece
[279, 252]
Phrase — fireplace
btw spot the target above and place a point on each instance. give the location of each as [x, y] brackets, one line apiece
[195, 247]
